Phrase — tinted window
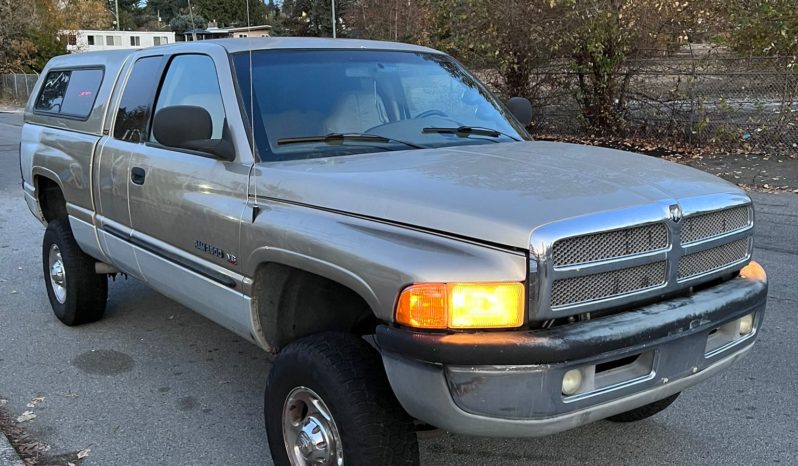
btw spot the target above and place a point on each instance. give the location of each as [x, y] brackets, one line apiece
[69, 92]
[191, 80]
[135, 107]
[53, 90]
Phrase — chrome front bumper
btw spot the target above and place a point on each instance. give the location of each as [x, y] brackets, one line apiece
[640, 356]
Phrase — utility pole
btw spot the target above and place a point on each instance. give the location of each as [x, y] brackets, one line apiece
[333, 18]
[116, 7]
[193, 26]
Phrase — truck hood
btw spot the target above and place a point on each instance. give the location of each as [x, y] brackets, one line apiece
[496, 193]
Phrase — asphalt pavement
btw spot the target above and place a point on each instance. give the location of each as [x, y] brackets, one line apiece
[154, 383]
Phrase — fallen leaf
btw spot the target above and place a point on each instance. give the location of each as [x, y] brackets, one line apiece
[84, 453]
[26, 416]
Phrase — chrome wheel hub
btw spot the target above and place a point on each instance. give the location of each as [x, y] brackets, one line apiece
[309, 431]
[57, 274]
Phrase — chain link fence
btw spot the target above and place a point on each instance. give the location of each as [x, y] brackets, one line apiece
[15, 88]
[727, 103]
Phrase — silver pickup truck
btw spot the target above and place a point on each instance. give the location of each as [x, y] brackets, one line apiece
[373, 216]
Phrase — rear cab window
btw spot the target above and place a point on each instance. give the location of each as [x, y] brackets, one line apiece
[70, 93]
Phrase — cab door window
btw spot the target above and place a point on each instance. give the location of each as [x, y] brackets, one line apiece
[192, 80]
[135, 107]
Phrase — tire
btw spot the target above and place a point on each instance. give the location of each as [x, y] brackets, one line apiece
[347, 375]
[78, 295]
[644, 412]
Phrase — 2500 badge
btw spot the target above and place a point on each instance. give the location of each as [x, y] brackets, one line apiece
[216, 252]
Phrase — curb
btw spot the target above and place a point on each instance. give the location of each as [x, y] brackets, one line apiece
[8, 456]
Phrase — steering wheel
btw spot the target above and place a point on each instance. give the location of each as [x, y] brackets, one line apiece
[430, 113]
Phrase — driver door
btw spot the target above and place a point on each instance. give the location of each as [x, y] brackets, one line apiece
[186, 206]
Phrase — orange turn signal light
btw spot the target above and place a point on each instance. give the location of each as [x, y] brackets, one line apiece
[462, 305]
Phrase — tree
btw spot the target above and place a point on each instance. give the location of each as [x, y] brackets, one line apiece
[763, 27]
[29, 30]
[85, 14]
[606, 35]
[183, 23]
[314, 17]
[397, 20]
[166, 9]
[15, 46]
[232, 12]
[129, 10]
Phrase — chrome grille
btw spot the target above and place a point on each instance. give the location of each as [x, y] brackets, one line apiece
[574, 290]
[609, 245]
[636, 254]
[713, 259]
[703, 226]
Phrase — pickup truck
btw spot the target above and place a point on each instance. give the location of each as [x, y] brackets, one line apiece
[373, 216]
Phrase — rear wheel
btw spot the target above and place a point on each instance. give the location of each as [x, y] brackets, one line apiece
[328, 402]
[77, 293]
[644, 412]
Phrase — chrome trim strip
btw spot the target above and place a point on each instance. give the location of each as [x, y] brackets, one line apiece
[172, 255]
[715, 241]
[610, 265]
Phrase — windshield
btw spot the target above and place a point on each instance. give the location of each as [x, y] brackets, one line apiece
[406, 98]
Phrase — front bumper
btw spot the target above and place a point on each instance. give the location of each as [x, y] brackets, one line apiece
[510, 383]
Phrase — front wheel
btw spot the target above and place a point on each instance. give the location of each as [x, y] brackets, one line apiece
[328, 402]
[77, 293]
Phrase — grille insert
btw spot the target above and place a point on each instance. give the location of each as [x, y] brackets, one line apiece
[575, 290]
[712, 259]
[700, 227]
[609, 245]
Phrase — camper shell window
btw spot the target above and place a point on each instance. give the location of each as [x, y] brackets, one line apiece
[69, 93]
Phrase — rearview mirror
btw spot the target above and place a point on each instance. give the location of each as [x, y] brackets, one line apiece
[521, 109]
[190, 127]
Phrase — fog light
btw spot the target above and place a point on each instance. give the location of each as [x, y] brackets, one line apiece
[571, 382]
[746, 324]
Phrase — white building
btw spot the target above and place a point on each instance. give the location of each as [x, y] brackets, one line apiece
[85, 40]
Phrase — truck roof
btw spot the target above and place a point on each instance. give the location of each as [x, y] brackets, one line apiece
[112, 61]
[234, 45]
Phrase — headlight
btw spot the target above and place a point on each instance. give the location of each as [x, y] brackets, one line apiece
[462, 305]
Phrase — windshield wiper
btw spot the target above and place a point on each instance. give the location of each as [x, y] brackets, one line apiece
[338, 138]
[465, 131]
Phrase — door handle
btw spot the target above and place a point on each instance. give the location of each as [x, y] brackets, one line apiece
[137, 175]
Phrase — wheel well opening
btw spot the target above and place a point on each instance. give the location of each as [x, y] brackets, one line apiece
[293, 303]
[51, 199]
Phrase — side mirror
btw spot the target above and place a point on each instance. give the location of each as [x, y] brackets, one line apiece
[521, 109]
[190, 127]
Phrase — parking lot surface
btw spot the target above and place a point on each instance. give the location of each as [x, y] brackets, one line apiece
[154, 383]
